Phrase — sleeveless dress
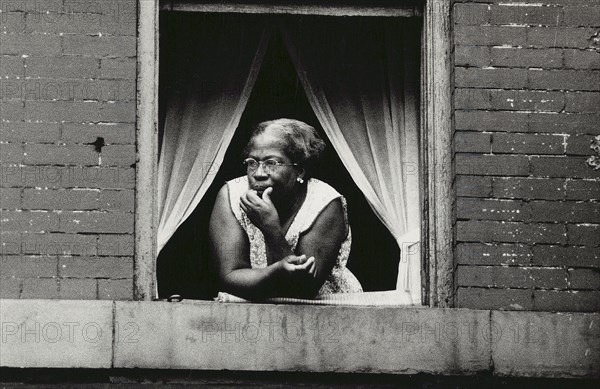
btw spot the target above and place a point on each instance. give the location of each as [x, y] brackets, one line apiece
[318, 195]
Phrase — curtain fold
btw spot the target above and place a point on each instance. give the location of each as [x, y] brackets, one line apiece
[217, 72]
[362, 80]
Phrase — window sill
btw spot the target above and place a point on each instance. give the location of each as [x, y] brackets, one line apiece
[216, 336]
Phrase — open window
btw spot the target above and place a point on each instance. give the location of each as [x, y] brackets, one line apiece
[269, 62]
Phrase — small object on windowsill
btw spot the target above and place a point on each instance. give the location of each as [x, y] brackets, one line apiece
[385, 298]
[175, 298]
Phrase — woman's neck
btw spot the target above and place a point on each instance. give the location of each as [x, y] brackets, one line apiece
[286, 209]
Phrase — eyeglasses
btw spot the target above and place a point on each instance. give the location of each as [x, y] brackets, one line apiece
[268, 166]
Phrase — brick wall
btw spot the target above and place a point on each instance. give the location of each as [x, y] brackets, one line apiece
[527, 103]
[67, 148]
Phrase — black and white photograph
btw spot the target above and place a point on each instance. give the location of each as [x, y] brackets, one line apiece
[343, 193]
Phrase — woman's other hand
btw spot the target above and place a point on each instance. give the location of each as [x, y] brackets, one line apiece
[261, 211]
[299, 265]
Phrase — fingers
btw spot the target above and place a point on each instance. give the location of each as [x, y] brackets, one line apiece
[294, 260]
[266, 196]
[306, 265]
[313, 269]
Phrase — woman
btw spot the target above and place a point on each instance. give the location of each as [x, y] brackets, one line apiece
[277, 231]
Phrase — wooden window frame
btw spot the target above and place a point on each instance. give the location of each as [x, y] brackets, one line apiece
[436, 131]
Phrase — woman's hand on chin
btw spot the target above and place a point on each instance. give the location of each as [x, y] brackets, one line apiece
[260, 210]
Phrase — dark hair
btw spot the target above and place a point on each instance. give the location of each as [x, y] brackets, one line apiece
[301, 142]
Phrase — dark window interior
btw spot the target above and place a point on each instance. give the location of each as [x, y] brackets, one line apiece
[184, 265]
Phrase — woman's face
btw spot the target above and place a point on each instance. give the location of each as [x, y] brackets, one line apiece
[282, 178]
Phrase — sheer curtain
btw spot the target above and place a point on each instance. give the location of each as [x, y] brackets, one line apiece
[217, 69]
[361, 77]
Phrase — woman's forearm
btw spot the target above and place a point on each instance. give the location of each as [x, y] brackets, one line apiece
[254, 283]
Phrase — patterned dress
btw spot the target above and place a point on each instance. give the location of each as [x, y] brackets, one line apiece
[318, 195]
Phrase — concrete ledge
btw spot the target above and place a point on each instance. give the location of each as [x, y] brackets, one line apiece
[545, 344]
[214, 336]
[56, 333]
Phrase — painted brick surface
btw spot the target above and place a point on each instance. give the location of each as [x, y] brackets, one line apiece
[67, 139]
[527, 108]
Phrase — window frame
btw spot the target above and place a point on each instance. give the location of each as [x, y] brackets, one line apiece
[438, 196]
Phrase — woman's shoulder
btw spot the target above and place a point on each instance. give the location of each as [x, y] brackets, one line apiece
[320, 190]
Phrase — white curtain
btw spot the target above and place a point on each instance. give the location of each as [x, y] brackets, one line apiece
[217, 72]
[361, 77]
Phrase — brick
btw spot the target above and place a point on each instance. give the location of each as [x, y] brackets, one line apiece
[33, 44]
[40, 288]
[569, 301]
[529, 188]
[488, 254]
[568, 211]
[474, 142]
[490, 78]
[12, 66]
[57, 244]
[33, 7]
[578, 80]
[478, 56]
[472, 99]
[526, 58]
[62, 111]
[13, 110]
[120, 112]
[549, 16]
[492, 209]
[547, 255]
[10, 198]
[118, 155]
[583, 190]
[584, 234]
[501, 231]
[27, 267]
[63, 67]
[580, 59]
[97, 46]
[29, 132]
[567, 37]
[60, 154]
[584, 278]
[118, 68]
[96, 267]
[576, 123]
[493, 276]
[569, 167]
[117, 200]
[485, 298]
[581, 102]
[115, 245]
[115, 289]
[89, 133]
[579, 144]
[549, 278]
[64, 199]
[11, 22]
[582, 16]
[29, 221]
[492, 121]
[470, 14]
[11, 152]
[521, 100]
[74, 289]
[96, 222]
[492, 165]
[10, 288]
[527, 143]
[490, 35]
[81, 23]
[68, 177]
[473, 186]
